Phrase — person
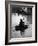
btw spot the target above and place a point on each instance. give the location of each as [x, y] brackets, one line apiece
[21, 27]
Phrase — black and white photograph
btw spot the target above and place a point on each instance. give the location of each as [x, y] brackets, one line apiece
[21, 22]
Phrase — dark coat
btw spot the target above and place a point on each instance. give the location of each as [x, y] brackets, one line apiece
[21, 27]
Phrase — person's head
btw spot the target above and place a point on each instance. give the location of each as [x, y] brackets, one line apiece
[20, 20]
